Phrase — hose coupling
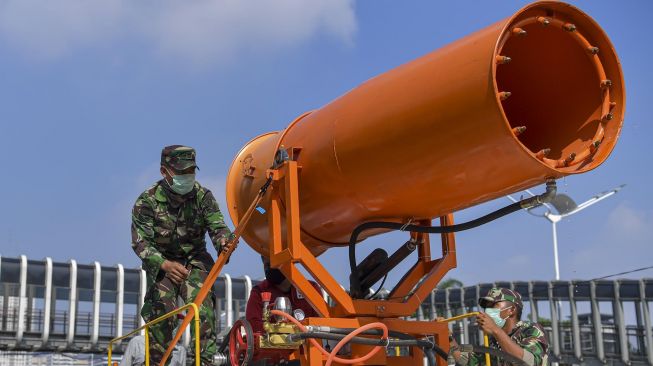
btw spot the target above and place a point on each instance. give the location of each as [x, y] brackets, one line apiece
[543, 198]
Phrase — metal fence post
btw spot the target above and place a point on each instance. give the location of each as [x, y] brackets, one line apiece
[598, 324]
[575, 327]
[647, 322]
[620, 323]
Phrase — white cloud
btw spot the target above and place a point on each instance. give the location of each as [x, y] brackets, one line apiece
[629, 222]
[199, 32]
[48, 29]
[623, 243]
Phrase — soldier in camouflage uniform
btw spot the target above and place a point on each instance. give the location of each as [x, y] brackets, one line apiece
[501, 321]
[169, 223]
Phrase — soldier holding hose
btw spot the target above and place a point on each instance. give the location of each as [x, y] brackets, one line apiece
[501, 321]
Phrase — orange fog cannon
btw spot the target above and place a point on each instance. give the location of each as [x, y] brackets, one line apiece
[529, 99]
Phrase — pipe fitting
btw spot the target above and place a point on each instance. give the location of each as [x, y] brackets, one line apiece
[541, 199]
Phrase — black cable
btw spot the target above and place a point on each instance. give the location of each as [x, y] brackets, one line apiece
[423, 229]
[430, 357]
[378, 332]
[622, 273]
[225, 342]
[522, 204]
[424, 344]
[380, 287]
[266, 185]
[429, 229]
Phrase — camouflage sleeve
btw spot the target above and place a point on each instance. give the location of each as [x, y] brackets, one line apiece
[535, 343]
[214, 220]
[469, 359]
[143, 236]
[476, 359]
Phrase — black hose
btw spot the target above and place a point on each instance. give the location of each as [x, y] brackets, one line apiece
[225, 342]
[359, 340]
[377, 332]
[523, 204]
[430, 357]
[380, 287]
[424, 344]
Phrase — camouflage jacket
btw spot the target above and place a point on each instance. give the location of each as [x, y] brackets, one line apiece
[168, 226]
[529, 336]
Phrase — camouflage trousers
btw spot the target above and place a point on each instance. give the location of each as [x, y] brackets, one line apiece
[161, 298]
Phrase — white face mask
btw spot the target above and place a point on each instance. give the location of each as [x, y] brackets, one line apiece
[495, 314]
[182, 183]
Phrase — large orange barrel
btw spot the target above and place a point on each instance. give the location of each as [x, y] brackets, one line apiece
[446, 131]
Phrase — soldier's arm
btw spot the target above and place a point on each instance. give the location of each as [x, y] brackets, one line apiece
[217, 229]
[468, 358]
[143, 236]
[534, 347]
[508, 345]
[463, 358]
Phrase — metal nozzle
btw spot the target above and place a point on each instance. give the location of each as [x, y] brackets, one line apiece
[544, 21]
[519, 31]
[569, 27]
[518, 130]
[503, 59]
[542, 153]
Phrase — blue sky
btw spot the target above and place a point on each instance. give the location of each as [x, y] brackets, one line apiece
[90, 93]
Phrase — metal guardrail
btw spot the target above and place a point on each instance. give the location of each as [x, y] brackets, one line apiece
[145, 327]
[601, 321]
[37, 298]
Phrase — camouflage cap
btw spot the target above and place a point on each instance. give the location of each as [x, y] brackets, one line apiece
[497, 294]
[178, 157]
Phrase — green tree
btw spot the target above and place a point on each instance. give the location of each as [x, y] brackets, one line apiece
[449, 283]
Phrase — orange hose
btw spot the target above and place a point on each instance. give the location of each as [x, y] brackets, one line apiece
[332, 355]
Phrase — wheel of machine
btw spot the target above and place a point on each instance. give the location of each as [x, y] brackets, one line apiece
[241, 343]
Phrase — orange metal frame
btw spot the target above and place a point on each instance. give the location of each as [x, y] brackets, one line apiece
[287, 251]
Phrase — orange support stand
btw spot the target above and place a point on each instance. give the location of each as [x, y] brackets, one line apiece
[287, 252]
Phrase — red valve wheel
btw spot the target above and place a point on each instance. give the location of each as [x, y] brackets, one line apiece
[241, 343]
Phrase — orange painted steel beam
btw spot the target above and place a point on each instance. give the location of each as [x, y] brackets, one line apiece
[435, 135]
[288, 252]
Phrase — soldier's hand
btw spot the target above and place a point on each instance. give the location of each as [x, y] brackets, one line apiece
[488, 325]
[225, 245]
[175, 271]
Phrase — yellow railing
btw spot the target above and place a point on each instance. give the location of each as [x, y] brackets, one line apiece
[196, 316]
[486, 341]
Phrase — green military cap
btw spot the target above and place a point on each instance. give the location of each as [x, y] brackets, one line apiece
[178, 157]
[497, 294]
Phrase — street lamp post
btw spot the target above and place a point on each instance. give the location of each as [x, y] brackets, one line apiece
[565, 207]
